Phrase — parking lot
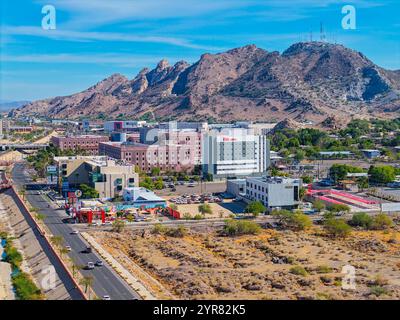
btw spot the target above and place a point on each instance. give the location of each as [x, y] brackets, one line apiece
[199, 188]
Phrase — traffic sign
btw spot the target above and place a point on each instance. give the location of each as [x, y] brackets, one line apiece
[78, 193]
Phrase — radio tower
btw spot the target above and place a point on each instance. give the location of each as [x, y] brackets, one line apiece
[322, 32]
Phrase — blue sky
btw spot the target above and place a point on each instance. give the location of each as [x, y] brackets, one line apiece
[96, 38]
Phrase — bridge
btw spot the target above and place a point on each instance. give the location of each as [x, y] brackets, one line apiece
[16, 146]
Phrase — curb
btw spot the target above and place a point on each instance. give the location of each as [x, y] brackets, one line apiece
[15, 192]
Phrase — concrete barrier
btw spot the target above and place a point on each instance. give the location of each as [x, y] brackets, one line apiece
[45, 236]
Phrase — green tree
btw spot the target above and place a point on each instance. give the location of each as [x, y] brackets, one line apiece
[362, 220]
[155, 171]
[382, 174]
[256, 208]
[241, 227]
[381, 222]
[337, 228]
[88, 192]
[363, 183]
[319, 205]
[337, 207]
[87, 282]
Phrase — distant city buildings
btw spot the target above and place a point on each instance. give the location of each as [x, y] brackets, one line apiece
[122, 126]
[88, 143]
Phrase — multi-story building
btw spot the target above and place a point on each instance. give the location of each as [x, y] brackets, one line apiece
[123, 126]
[232, 152]
[274, 192]
[167, 157]
[87, 143]
[107, 176]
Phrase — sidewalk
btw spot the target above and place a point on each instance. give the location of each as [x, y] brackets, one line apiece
[144, 293]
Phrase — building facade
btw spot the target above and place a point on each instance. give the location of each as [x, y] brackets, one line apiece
[87, 143]
[107, 176]
[176, 151]
[233, 152]
[123, 126]
[274, 192]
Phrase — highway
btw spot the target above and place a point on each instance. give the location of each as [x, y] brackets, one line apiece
[105, 280]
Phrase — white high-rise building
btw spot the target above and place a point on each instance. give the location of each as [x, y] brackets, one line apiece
[233, 152]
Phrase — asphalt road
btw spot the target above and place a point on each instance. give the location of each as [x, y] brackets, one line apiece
[105, 280]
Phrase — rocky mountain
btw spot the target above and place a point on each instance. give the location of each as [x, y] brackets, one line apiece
[309, 81]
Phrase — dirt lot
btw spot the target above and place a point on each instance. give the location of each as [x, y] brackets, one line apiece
[205, 265]
[219, 210]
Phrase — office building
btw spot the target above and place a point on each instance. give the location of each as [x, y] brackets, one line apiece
[107, 176]
[86, 143]
[233, 152]
[274, 192]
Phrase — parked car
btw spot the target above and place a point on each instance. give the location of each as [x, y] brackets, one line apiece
[68, 248]
[90, 266]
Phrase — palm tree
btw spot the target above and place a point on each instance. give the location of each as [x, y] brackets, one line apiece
[87, 282]
[22, 193]
[76, 267]
[57, 240]
[40, 217]
[63, 251]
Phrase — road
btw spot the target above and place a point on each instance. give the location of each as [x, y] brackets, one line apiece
[105, 280]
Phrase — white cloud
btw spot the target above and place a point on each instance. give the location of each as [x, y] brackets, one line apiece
[109, 59]
[68, 35]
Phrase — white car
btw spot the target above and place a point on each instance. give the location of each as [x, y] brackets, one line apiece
[106, 297]
[75, 232]
[90, 266]
[68, 248]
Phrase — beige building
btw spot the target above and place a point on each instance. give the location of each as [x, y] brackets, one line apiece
[107, 176]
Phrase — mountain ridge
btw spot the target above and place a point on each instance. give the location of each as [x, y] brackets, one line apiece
[309, 81]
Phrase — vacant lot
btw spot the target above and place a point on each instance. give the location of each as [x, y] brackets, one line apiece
[271, 265]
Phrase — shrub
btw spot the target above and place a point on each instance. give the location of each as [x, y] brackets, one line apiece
[299, 271]
[198, 217]
[12, 255]
[118, 226]
[179, 232]
[295, 221]
[234, 228]
[300, 221]
[378, 291]
[205, 208]
[324, 269]
[159, 229]
[319, 205]
[361, 220]
[381, 222]
[336, 207]
[337, 228]
[25, 288]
